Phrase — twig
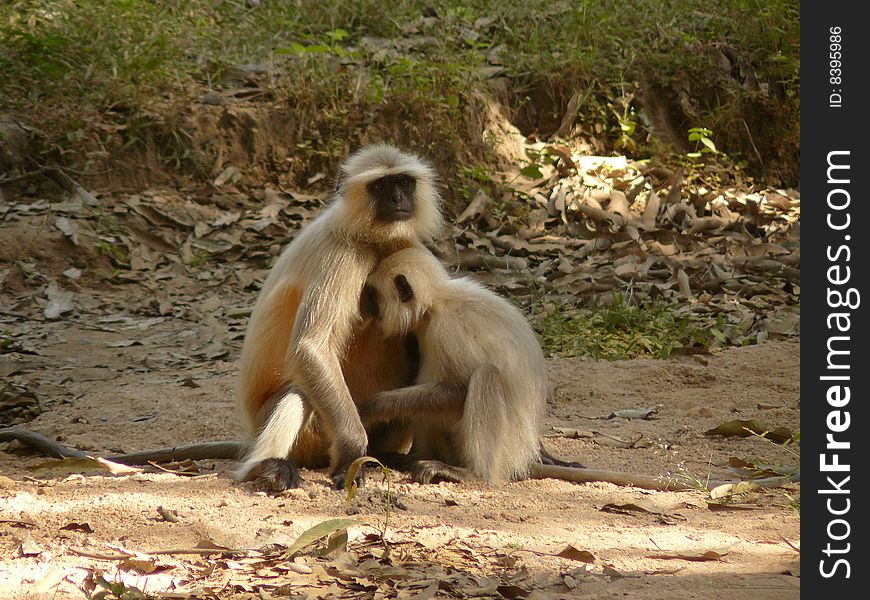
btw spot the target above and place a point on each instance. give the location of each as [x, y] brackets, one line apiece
[25, 175]
[203, 551]
[183, 473]
[29, 523]
[85, 325]
[790, 545]
[88, 554]
[123, 556]
[751, 141]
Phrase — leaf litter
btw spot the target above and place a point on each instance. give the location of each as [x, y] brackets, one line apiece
[601, 227]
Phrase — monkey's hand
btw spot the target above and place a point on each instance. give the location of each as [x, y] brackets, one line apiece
[345, 459]
[274, 475]
[339, 478]
[378, 409]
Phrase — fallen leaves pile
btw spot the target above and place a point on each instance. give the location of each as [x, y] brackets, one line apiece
[594, 227]
[591, 225]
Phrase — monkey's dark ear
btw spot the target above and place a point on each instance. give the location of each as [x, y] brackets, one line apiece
[406, 293]
[368, 302]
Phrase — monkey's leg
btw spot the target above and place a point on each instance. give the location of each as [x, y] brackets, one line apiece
[488, 442]
[549, 459]
[440, 401]
[393, 436]
[267, 460]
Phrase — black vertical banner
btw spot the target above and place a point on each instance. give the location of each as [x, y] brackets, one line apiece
[835, 253]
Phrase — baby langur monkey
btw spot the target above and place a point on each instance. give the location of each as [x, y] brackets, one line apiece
[482, 385]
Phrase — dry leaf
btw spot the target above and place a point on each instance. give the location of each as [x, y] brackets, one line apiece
[29, 547]
[66, 466]
[84, 527]
[60, 301]
[634, 413]
[68, 228]
[700, 556]
[573, 553]
[318, 532]
[746, 428]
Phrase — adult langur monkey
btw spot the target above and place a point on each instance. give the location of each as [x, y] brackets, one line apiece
[479, 397]
[309, 358]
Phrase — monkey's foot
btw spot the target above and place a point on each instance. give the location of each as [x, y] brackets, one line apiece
[339, 477]
[427, 471]
[549, 459]
[274, 475]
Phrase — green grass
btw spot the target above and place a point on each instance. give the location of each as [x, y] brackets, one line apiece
[619, 331]
[97, 73]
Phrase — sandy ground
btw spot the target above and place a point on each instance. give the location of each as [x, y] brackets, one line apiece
[125, 383]
[152, 362]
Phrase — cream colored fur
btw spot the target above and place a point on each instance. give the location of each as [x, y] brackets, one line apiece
[471, 337]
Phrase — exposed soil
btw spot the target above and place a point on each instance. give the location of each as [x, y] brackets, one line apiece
[144, 356]
[161, 393]
[122, 315]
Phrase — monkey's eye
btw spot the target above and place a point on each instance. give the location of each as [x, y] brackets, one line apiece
[406, 292]
[405, 183]
[378, 185]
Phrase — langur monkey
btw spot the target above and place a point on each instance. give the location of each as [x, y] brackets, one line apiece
[309, 358]
[482, 386]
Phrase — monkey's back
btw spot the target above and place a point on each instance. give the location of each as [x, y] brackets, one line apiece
[474, 328]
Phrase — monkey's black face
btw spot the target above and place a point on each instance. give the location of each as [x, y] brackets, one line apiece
[394, 197]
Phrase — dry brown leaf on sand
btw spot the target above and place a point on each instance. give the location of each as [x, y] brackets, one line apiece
[66, 466]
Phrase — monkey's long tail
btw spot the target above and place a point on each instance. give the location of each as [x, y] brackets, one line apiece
[576, 475]
[230, 450]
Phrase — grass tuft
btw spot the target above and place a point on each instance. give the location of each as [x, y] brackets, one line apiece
[621, 330]
[94, 73]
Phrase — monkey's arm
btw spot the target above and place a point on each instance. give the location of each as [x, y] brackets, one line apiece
[321, 335]
[441, 401]
[318, 369]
